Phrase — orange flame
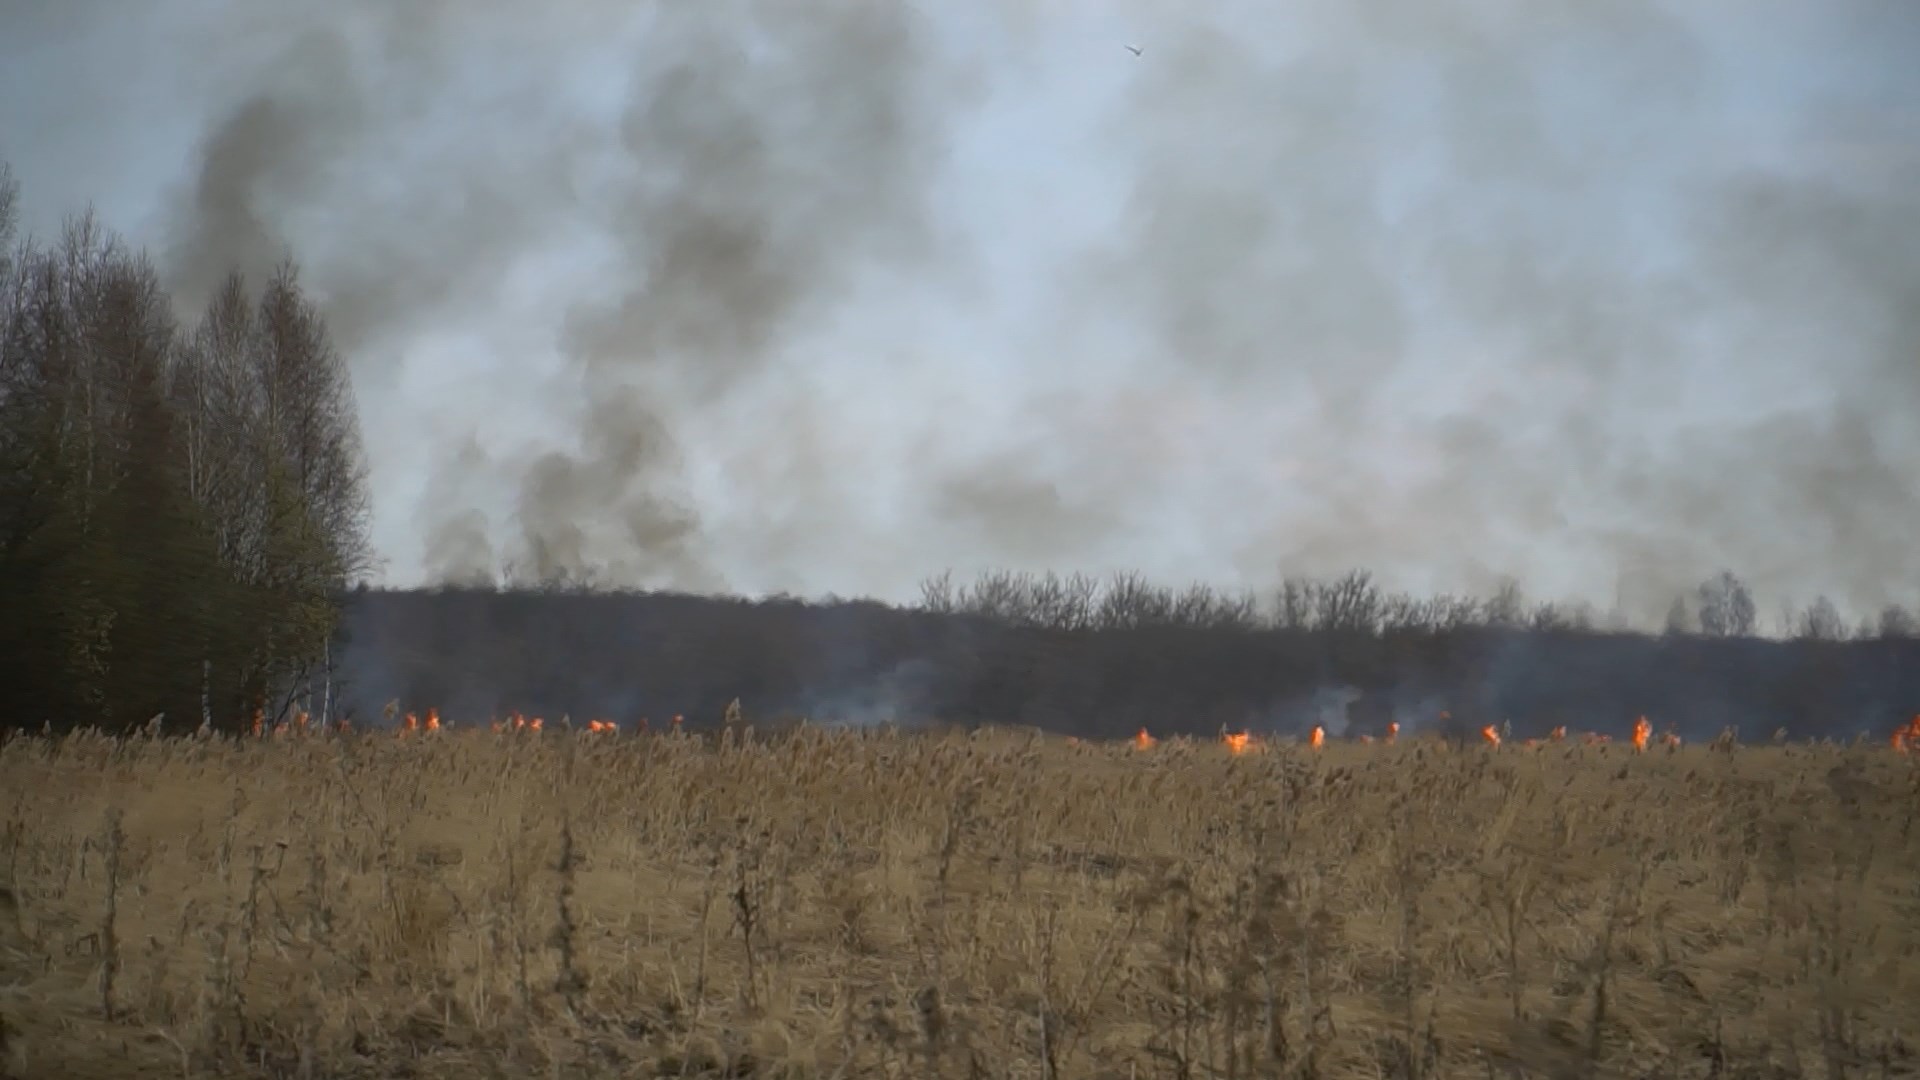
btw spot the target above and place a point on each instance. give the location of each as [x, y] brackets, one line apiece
[1239, 742]
[1491, 734]
[1393, 732]
[1319, 737]
[433, 719]
[1558, 733]
[598, 726]
[1641, 732]
[1906, 736]
[1143, 741]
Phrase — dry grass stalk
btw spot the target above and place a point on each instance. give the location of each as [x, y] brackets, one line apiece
[841, 904]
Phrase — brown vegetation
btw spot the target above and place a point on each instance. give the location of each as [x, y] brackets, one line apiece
[818, 904]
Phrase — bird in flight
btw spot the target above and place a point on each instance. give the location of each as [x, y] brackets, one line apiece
[1134, 49]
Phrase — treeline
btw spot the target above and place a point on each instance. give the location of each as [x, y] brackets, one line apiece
[1722, 606]
[1103, 658]
[182, 503]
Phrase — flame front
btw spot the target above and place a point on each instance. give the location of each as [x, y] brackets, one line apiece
[1907, 736]
[1903, 739]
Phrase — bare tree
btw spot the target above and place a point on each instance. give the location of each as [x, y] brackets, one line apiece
[1237, 611]
[1402, 613]
[1508, 606]
[1897, 622]
[311, 424]
[1293, 604]
[1063, 603]
[1443, 613]
[1821, 621]
[1457, 612]
[214, 394]
[1043, 600]
[1350, 603]
[1549, 617]
[9, 221]
[937, 594]
[1726, 606]
[996, 594]
[1130, 602]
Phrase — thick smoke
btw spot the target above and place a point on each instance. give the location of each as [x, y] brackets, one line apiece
[773, 155]
[829, 296]
[1578, 279]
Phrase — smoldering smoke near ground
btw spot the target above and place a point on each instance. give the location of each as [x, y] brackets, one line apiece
[1607, 297]
[479, 653]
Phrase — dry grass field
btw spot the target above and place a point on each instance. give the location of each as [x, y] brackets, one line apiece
[820, 905]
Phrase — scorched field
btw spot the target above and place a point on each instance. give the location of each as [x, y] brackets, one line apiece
[986, 904]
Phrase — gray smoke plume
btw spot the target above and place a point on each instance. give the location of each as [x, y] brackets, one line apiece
[773, 155]
[1508, 279]
[831, 296]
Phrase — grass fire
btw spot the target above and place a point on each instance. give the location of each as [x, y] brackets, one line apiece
[1426, 500]
[555, 898]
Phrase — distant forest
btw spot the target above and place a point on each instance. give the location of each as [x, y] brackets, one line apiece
[183, 516]
[1105, 658]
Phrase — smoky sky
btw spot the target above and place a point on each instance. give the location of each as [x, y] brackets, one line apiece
[828, 297]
